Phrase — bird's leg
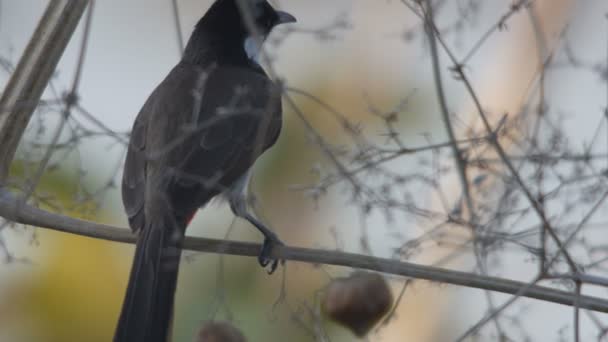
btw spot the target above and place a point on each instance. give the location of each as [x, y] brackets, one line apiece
[270, 240]
[239, 200]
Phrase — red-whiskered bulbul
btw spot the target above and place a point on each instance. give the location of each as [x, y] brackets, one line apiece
[196, 137]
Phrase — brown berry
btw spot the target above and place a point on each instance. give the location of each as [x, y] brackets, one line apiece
[358, 302]
[219, 332]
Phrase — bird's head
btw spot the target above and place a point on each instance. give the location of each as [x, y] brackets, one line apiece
[239, 25]
[261, 13]
[235, 18]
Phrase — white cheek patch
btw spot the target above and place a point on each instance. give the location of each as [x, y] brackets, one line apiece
[252, 49]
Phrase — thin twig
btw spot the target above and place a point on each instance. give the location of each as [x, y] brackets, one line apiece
[178, 26]
[577, 314]
[461, 164]
[493, 139]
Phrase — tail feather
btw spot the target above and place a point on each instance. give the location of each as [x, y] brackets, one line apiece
[148, 306]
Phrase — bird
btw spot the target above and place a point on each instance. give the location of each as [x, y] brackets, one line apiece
[196, 138]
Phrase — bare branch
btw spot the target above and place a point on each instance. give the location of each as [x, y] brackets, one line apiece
[30, 215]
[33, 73]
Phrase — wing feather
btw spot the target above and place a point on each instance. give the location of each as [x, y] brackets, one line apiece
[199, 131]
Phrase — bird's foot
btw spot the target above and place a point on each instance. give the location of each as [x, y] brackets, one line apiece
[265, 259]
[271, 240]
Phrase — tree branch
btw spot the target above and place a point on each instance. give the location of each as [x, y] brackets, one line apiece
[33, 73]
[12, 210]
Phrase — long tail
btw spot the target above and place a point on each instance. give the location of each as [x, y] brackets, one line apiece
[147, 310]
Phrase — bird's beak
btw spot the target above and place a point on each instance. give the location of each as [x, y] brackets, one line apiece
[285, 18]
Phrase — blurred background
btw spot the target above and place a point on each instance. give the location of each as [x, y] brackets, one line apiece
[360, 57]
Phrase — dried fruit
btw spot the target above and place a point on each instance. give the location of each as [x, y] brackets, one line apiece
[358, 301]
[219, 332]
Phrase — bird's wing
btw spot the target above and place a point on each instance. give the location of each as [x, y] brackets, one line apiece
[134, 174]
[196, 135]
